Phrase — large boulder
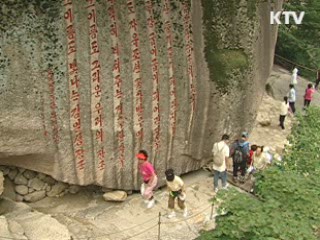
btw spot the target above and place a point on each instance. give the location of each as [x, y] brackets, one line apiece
[115, 196]
[172, 87]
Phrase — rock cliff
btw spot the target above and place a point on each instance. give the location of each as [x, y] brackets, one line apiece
[85, 84]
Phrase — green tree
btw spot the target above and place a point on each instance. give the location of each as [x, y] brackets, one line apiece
[286, 205]
[300, 43]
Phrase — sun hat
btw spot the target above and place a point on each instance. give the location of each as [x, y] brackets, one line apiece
[141, 156]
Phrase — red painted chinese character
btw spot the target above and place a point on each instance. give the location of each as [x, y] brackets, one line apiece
[133, 24]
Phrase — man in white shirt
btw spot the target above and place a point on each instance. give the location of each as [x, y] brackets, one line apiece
[221, 153]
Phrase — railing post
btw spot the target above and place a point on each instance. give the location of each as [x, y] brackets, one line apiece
[159, 223]
[211, 215]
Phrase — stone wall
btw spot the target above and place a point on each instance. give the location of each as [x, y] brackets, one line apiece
[31, 186]
[85, 84]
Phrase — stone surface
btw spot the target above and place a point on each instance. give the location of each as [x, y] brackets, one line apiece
[12, 174]
[18, 198]
[57, 189]
[39, 120]
[22, 189]
[51, 229]
[87, 216]
[29, 174]
[1, 183]
[20, 180]
[49, 180]
[35, 196]
[5, 170]
[16, 230]
[4, 228]
[74, 189]
[115, 196]
[36, 184]
[265, 122]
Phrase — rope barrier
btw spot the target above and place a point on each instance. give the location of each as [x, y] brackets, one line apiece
[123, 230]
[296, 64]
[187, 218]
[137, 225]
[137, 234]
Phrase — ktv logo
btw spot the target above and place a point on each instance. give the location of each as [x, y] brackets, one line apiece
[289, 16]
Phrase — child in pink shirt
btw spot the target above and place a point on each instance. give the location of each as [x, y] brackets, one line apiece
[308, 95]
[149, 177]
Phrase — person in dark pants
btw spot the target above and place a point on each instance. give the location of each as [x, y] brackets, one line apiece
[240, 153]
[292, 98]
[283, 111]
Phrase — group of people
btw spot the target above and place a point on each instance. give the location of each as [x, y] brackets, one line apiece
[245, 159]
[175, 185]
[288, 103]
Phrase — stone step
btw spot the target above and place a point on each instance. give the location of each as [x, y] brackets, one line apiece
[30, 224]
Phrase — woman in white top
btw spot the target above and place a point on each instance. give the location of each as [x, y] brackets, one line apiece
[294, 76]
[283, 111]
[260, 159]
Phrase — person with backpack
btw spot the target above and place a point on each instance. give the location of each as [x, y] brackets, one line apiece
[149, 176]
[220, 153]
[240, 153]
[177, 191]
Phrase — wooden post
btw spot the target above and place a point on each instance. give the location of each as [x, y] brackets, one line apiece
[211, 215]
[159, 223]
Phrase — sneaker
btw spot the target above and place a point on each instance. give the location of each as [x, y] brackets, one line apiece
[151, 203]
[185, 212]
[226, 186]
[172, 214]
[235, 179]
[216, 190]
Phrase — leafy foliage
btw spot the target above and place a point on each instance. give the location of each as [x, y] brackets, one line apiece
[286, 205]
[300, 43]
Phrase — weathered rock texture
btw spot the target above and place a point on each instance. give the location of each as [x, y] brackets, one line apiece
[36, 187]
[85, 84]
[1, 182]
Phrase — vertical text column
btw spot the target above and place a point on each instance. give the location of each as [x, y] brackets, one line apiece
[75, 122]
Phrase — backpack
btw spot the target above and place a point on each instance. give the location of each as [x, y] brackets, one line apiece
[239, 154]
[218, 155]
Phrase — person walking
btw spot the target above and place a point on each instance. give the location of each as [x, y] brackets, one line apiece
[283, 111]
[149, 176]
[308, 96]
[292, 98]
[177, 191]
[294, 76]
[220, 153]
[240, 152]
